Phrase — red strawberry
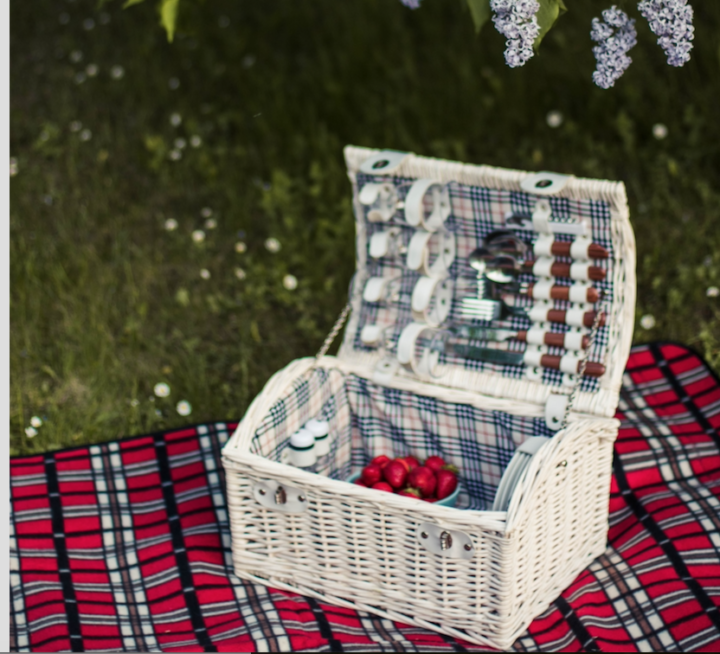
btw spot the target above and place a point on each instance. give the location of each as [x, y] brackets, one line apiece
[395, 474]
[410, 492]
[371, 474]
[423, 479]
[432, 500]
[405, 463]
[412, 462]
[435, 463]
[383, 486]
[359, 482]
[381, 461]
[446, 483]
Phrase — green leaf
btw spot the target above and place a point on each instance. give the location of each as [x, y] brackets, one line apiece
[549, 12]
[168, 16]
[130, 3]
[480, 10]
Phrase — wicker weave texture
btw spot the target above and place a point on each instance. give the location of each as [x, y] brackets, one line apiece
[358, 547]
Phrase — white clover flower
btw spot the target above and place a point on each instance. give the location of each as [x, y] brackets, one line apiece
[161, 389]
[707, 261]
[517, 21]
[205, 273]
[615, 37]
[30, 432]
[184, 408]
[171, 224]
[36, 421]
[647, 321]
[713, 291]
[88, 24]
[117, 72]
[198, 236]
[554, 119]
[210, 223]
[240, 273]
[158, 413]
[272, 245]
[91, 70]
[195, 141]
[411, 4]
[290, 282]
[180, 143]
[659, 131]
[175, 119]
[240, 247]
[206, 212]
[134, 402]
[85, 135]
[175, 155]
[173, 83]
[13, 166]
[672, 22]
[76, 56]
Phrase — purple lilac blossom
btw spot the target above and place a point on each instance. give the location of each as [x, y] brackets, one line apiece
[672, 22]
[412, 4]
[615, 36]
[516, 20]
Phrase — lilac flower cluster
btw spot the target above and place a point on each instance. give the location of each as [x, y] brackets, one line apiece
[672, 21]
[412, 4]
[517, 21]
[615, 37]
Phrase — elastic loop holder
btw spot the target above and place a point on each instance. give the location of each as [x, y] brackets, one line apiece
[541, 217]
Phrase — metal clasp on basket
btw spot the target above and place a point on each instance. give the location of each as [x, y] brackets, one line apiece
[445, 542]
[281, 497]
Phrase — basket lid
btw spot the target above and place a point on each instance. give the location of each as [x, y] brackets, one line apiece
[485, 279]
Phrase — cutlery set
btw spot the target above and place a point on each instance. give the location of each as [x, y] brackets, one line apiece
[500, 260]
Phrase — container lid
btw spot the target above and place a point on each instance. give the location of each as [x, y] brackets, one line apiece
[485, 279]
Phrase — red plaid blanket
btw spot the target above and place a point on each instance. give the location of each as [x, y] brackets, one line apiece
[125, 546]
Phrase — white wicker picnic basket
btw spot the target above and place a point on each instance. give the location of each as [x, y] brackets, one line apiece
[470, 572]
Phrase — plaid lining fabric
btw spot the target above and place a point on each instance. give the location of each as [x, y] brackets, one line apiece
[126, 546]
[476, 212]
[367, 420]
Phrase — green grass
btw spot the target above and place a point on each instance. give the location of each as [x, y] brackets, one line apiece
[105, 302]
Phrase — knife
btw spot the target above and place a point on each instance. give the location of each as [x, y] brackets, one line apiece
[491, 355]
[499, 335]
[558, 269]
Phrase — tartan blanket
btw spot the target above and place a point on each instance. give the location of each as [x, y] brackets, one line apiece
[125, 546]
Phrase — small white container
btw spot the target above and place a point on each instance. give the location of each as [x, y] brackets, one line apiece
[320, 429]
[302, 449]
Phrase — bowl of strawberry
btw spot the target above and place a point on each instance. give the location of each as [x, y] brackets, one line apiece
[432, 481]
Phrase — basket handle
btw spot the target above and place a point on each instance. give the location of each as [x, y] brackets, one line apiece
[333, 332]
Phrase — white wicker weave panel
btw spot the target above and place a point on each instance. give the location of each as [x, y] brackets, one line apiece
[480, 196]
[358, 548]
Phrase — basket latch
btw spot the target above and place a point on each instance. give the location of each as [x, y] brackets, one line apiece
[281, 497]
[445, 542]
[555, 408]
